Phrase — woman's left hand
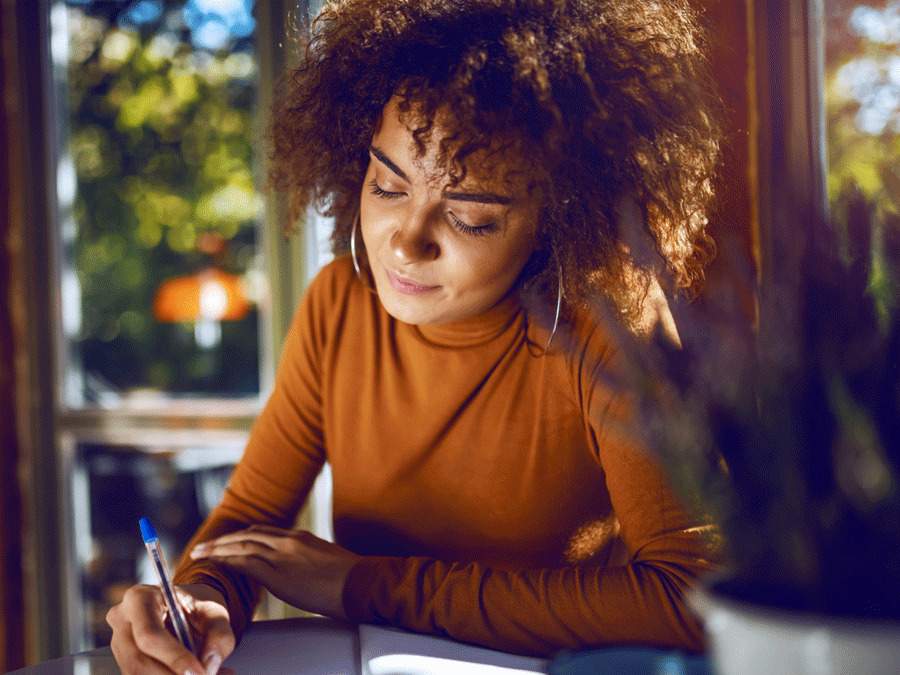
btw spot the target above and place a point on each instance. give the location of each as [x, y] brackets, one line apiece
[295, 566]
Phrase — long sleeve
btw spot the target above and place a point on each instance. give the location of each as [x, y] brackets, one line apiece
[273, 478]
[535, 609]
[492, 493]
[540, 611]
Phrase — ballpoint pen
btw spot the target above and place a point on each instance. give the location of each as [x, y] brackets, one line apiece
[179, 622]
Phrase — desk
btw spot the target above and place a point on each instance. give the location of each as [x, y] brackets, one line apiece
[319, 646]
[302, 646]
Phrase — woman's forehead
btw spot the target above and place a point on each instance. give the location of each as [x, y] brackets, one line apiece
[430, 153]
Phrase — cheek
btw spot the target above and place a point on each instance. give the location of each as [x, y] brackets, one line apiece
[372, 222]
[517, 251]
[489, 268]
[371, 214]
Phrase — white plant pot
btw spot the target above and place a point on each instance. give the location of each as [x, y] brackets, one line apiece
[749, 639]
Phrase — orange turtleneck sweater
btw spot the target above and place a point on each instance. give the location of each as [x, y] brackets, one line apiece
[490, 489]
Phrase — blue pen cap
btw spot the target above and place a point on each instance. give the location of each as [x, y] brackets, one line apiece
[147, 531]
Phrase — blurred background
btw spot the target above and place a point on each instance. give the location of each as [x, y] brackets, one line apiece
[148, 283]
[156, 285]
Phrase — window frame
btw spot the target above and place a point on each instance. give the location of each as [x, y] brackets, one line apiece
[790, 162]
[52, 428]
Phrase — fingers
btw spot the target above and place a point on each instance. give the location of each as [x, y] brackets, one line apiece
[255, 555]
[255, 550]
[261, 568]
[209, 615]
[219, 643]
[272, 529]
[271, 537]
[256, 560]
[141, 643]
[131, 660]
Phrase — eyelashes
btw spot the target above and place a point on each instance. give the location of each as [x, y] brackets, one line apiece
[377, 190]
[460, 225]
[465, 228]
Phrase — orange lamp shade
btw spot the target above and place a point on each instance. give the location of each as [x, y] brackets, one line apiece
[211, 294]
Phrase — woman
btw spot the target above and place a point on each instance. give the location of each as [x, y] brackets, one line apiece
[494, 167]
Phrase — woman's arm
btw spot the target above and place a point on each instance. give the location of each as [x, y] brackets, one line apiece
[528, 611]
[542, 611]
[275, 475]
[537, 612]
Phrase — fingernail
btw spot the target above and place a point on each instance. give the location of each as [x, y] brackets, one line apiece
[212, 662]
[192, 671]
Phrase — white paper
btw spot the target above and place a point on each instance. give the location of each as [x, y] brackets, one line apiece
[389, 651]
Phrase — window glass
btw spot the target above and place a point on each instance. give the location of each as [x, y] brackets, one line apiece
[862, 97]
[176, 487]
[159, 206]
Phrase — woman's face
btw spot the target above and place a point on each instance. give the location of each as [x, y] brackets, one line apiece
[439, 253]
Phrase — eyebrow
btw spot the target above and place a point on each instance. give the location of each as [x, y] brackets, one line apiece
[480, 197]
[383, 158]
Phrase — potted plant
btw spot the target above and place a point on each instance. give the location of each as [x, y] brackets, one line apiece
[788, 436]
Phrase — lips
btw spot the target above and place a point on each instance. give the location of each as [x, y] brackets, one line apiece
[408, 286]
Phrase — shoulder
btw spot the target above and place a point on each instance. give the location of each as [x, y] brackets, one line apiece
[334, 280]
[590, 347]
[588, 339]
[333, 294]
[335, 290]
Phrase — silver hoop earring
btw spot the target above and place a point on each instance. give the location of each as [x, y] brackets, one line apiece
[559, 296]
[356, 267]
[559, 302]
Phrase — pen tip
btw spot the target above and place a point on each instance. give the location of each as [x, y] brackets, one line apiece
[147, 531]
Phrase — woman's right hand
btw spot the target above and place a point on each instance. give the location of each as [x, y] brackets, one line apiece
[142, 644]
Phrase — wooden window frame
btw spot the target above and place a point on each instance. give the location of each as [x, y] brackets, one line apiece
[790, 164]
[48, 429]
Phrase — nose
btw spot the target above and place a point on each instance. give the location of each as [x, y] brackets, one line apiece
[413, 239]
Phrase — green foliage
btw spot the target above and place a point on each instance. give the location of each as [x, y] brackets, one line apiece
[861, 95]
[161, 141]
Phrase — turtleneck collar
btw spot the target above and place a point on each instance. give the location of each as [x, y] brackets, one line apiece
[475, 330]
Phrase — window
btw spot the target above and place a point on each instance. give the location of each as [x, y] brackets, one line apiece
[828, 86]
[161, 270]
[862, 109]
[162, 276]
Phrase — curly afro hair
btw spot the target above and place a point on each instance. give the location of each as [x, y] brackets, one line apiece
[610, 99]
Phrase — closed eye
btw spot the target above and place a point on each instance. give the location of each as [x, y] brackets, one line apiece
[378, 191]
[465, 228]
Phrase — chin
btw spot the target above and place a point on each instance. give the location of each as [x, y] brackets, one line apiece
[400, 309]
[420, 312]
